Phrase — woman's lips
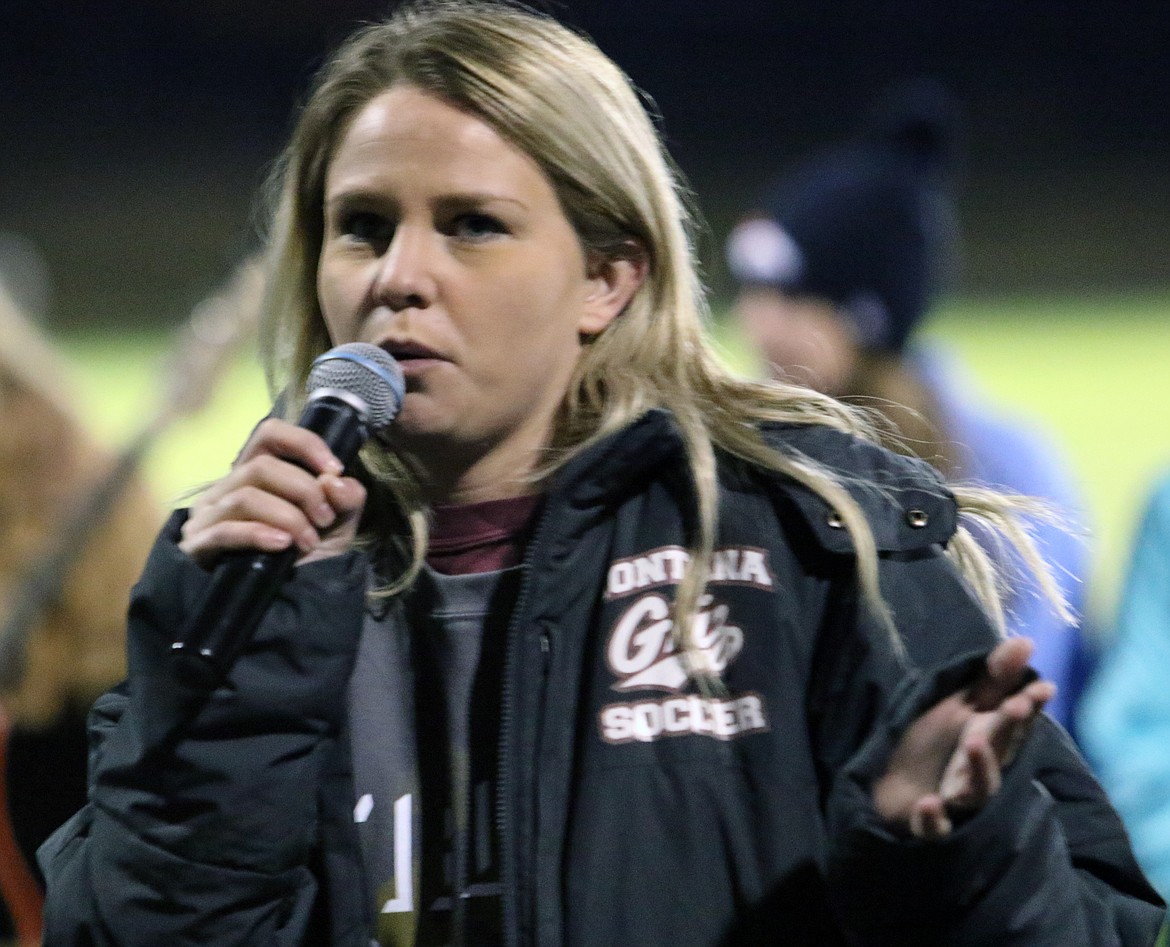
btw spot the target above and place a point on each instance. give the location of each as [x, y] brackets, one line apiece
[416, 366]
[412, 357]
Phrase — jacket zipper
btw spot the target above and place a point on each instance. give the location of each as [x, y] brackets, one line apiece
[508, 868]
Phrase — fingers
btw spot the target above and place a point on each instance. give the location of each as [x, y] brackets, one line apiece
[345, 494]
[292, 443]
[929, 819]
[1009, 657]
[951, 759]
[348, 498]
[259, 509]
[1013, 720]
[1008, 697]
[1007, 670]
[973, 775]
[989, 743]
[284, 490]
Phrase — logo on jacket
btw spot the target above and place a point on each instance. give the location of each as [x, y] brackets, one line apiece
[642, 652]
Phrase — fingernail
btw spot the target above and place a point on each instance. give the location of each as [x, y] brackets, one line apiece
[323, 514]
[274, 539]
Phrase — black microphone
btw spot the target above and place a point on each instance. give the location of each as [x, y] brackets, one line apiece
[354, 390]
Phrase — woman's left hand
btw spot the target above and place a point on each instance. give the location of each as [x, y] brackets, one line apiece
[950, 761]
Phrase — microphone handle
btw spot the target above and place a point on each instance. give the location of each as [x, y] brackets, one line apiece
[244, 584]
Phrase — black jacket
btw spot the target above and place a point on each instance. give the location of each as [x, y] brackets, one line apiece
[634, 810]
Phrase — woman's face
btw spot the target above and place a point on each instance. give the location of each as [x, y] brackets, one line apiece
[447, 246]
[802, 340]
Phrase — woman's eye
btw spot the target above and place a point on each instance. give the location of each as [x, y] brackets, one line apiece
[367, 227]
[476, 226]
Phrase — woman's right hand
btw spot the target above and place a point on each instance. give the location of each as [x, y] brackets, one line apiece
[285, 489]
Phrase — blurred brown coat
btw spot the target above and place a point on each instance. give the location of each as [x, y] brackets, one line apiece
[48, 465]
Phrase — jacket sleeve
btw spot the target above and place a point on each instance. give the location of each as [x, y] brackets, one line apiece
[1046, 862]
[202, 821]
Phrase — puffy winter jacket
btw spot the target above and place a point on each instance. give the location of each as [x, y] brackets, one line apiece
[633, 808]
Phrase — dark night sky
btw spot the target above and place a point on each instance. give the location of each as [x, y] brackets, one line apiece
[136, 133]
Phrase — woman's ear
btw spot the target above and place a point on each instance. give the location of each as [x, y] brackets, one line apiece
[612, 283]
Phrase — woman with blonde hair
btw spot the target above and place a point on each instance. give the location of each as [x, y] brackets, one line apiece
[597, 643]
[66, 567]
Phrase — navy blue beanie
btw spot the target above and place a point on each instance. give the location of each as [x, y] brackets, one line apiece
[867, 225]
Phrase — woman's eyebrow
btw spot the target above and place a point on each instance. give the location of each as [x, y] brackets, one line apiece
[462, 199]
[454, 201]
[359, 196]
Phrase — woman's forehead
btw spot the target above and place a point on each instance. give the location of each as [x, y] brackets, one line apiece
[405, 133]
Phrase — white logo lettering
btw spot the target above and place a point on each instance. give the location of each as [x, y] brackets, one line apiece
[648, 720]
[403, 869]
[643, 654]
[642, 650]
[732, 565]
[741, 566]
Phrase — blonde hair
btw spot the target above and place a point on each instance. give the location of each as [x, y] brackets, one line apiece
[75, 646]
[555, 96]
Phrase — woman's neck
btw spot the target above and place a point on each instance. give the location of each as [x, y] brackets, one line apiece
[455, 473]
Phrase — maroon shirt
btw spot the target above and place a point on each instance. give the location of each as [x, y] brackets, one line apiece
[480, 537]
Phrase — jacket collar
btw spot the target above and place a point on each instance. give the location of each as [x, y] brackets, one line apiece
[617, 464]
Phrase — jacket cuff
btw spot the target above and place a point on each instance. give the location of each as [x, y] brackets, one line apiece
[301, 625]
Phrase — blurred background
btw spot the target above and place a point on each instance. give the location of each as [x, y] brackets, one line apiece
[136, 134]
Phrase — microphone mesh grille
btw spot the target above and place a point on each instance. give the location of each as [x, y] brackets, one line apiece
[365, 371]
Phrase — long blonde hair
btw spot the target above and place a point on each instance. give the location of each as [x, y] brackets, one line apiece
[555, 96]
[74, 647]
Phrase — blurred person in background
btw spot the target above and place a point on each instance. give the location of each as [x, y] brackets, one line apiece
[63, 634]
[836, 270]
[598, 643]
[1125, 715]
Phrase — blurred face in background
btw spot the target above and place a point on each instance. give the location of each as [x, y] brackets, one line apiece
[802, 339]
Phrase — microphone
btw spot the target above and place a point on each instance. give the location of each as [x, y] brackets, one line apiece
[354, 390]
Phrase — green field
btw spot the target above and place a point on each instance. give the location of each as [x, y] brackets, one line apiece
[1095, 372]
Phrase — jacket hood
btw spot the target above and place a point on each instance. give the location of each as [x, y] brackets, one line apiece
[905, 500]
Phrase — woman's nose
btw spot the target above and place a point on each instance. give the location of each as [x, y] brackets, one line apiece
[403, 279]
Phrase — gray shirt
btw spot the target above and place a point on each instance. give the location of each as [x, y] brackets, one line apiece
[424, 707]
